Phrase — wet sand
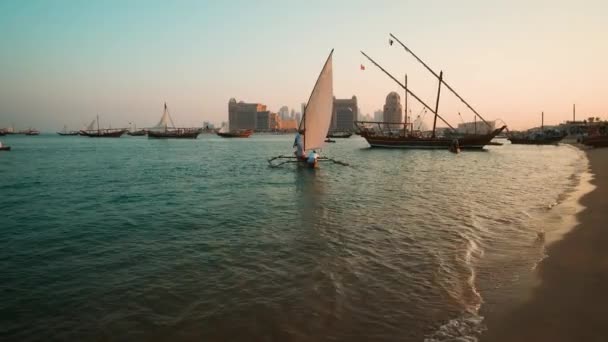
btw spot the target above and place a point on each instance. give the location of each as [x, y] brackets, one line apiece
[571, 301]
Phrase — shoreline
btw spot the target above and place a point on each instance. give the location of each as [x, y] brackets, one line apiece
[570, 301]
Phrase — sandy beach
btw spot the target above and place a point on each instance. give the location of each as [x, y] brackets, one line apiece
[571, 301]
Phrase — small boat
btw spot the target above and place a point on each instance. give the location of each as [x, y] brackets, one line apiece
[329, 140]
[549, 137]
[596, 141]
[315, 122]
[102, 132]
[66, 132]
[163, 131]
[4, 147]
[340, 135]
[245, 133]
[454, 148]
[31, 132]
[137, 133]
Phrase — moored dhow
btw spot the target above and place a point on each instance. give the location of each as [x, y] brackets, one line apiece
[403, 135]
[101, 132]
[163, 131]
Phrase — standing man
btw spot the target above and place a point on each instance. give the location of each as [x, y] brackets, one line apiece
[299, 145]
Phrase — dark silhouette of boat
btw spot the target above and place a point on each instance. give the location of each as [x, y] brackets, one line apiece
[65, 132]
[549, 137]
[340, 135]
[102, 132]
[178, 133]
[31, 132]
[137, 133]
[403, 135]
[596, 141]
[163, 131]
[236, 134]
[4, 148]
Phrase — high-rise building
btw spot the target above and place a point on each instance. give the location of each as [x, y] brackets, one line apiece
[379, 115]
[262, 122]
[275, 121]
[284, 112]
[344, 114]
[393, 110]
[292, 116]
[243, 115]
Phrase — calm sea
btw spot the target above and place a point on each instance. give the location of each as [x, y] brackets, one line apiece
[199, 240]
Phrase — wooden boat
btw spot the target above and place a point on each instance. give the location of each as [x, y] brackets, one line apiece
[165, 131]
[65, 132]
[102, 132]
[596, 141]
[4, 147]
[329, 140]
[31, 132]
[537, 138]
[246, 133]
[138, 133]
[340, 135]
[315, 122]
[403, 135]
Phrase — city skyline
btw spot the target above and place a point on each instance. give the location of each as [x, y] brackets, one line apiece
[65, 62]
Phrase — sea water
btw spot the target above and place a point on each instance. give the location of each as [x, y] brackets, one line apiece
[142, 239]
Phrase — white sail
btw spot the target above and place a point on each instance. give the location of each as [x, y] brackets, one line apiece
[165, 120]
[317, 115]
[224, 129]
[92, 125]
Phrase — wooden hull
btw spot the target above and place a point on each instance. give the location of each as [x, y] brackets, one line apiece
[540, 141]
[173, 135]
[241, 134]
[597, 141]
[466, 142]
[137, 133]
[103, 134]
[339, 135]
[5, 148]
[69, 133]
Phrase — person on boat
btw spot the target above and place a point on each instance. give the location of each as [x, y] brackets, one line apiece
[299, 145]
[312, 159]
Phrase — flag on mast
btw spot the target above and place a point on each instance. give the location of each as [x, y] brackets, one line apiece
[362, 67]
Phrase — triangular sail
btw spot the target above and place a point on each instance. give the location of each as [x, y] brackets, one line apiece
[165, 120]
[317, 114]
[92, 125]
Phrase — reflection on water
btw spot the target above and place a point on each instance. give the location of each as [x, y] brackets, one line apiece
[201, 240]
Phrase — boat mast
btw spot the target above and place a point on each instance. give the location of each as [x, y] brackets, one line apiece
[574, 113]
[405, 118]
[542, 121]
[407, 90]
[440, 80]
[437, 103]
[98, 131]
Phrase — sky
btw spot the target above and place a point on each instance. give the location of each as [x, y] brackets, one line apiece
[66, 61]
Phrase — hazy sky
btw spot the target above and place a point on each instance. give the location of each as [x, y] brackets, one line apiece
[62, 62]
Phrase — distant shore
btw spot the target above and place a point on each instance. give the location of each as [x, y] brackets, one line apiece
[571, 301]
